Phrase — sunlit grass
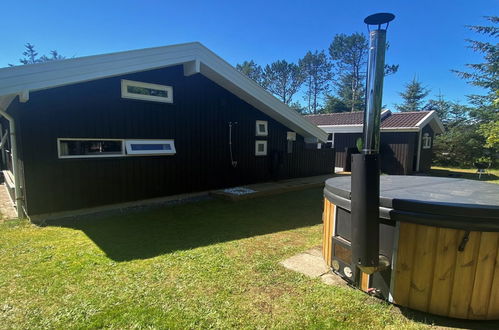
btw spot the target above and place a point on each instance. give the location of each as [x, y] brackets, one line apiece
[211, 264]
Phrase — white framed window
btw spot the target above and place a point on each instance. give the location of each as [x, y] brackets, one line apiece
[150, 147]
[145, 91]
[262, 128]
[260, 148]
[426, 141]
[89, 148]
[95, 148]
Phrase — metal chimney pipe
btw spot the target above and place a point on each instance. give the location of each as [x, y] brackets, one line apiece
[374, 91]
[365, 166]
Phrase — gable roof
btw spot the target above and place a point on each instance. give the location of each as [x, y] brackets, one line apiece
[414, 120]
[195, 58]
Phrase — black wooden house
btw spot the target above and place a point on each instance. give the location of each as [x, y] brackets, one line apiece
[139, 125]
[406, 138]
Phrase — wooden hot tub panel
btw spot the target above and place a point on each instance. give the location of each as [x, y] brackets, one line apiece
[432, 275]
[430, 272]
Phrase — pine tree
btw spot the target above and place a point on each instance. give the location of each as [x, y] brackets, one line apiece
[283, 79]
[316, 70]
[251, 70]
[413, 97]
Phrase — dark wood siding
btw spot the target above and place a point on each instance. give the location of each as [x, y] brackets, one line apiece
[397, 150]
[426, 154]
[342, 141]
[197, 120]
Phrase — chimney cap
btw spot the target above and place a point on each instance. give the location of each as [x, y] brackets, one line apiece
[379, 18]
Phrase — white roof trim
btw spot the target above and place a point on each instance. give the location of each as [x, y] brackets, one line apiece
[25, 78]
[428, 118]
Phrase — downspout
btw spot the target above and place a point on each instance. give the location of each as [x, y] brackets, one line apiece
[15, 163]
[419, 149]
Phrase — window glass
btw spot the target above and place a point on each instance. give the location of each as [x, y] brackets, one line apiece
[90, 147]
[150, 147]
[147, 91]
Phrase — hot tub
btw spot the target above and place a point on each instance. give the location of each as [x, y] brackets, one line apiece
[439, 240]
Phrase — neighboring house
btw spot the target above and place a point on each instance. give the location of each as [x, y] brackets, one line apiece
[109, 129]
[406, 138]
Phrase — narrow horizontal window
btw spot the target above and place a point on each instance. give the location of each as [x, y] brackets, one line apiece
[146, 91]
[262, 128]
[87, 148]
[260, 148]
[150, 147]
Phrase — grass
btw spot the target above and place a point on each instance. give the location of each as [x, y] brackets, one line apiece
[211, 264]
[492, 176]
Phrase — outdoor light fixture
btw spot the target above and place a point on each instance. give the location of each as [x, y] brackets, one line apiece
[365, 166]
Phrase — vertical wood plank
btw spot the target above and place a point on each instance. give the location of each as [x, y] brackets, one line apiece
[324, 228]
[493, 310]
[364, 281]
[443, 275]
[423, 265]
[404, 266]
[464, 275]
[330, 232]
[484, 276]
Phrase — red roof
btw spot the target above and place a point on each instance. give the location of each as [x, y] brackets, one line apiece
[388, 119]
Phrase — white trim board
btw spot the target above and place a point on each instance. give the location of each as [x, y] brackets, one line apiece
[193, 56]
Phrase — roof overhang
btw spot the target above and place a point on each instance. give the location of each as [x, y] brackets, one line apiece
[432, 119]
[195, 58]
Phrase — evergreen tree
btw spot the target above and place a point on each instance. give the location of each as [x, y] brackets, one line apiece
[283, 79]
[413, 97]
[31, 56]
[334, 104]
[316, 71]
[251, 70]
[349, 54]
[486, 76]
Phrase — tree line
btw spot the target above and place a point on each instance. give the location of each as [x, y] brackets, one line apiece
[329, 82]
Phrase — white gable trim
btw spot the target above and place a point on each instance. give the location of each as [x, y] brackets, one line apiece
[196, 57]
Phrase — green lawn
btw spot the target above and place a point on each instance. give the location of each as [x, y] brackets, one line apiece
[210, 264]
[492, 176]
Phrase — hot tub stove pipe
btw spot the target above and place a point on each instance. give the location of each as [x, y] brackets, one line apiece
[365, 166]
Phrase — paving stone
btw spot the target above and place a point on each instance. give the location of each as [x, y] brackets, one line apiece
[307, 264]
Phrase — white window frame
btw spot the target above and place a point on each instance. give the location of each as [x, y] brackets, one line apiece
[130, 152]
[426, 141]
[127, 95]
[89, 156]
[261, 153]
[266, 125]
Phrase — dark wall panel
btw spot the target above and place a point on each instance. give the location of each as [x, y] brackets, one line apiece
[197, 121]
[397, 150]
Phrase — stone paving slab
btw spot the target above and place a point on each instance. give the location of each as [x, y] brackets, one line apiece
[311, 264]
[7, 208]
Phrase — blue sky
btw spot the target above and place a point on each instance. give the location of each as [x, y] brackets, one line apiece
[427, 38]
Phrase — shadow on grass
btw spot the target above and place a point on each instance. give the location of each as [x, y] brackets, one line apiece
[462, 175]
[447, 322]
[181, 227]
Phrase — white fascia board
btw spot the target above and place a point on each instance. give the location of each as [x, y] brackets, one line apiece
[16, 80]
[432, 116]
[221, 72]
[342, 128]
[34, 77]
[400, 129]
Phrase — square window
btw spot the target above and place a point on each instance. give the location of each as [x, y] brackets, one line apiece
[261, 128]
[260, 148]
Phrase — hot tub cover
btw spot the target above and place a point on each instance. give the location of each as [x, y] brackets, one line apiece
[447, 202]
